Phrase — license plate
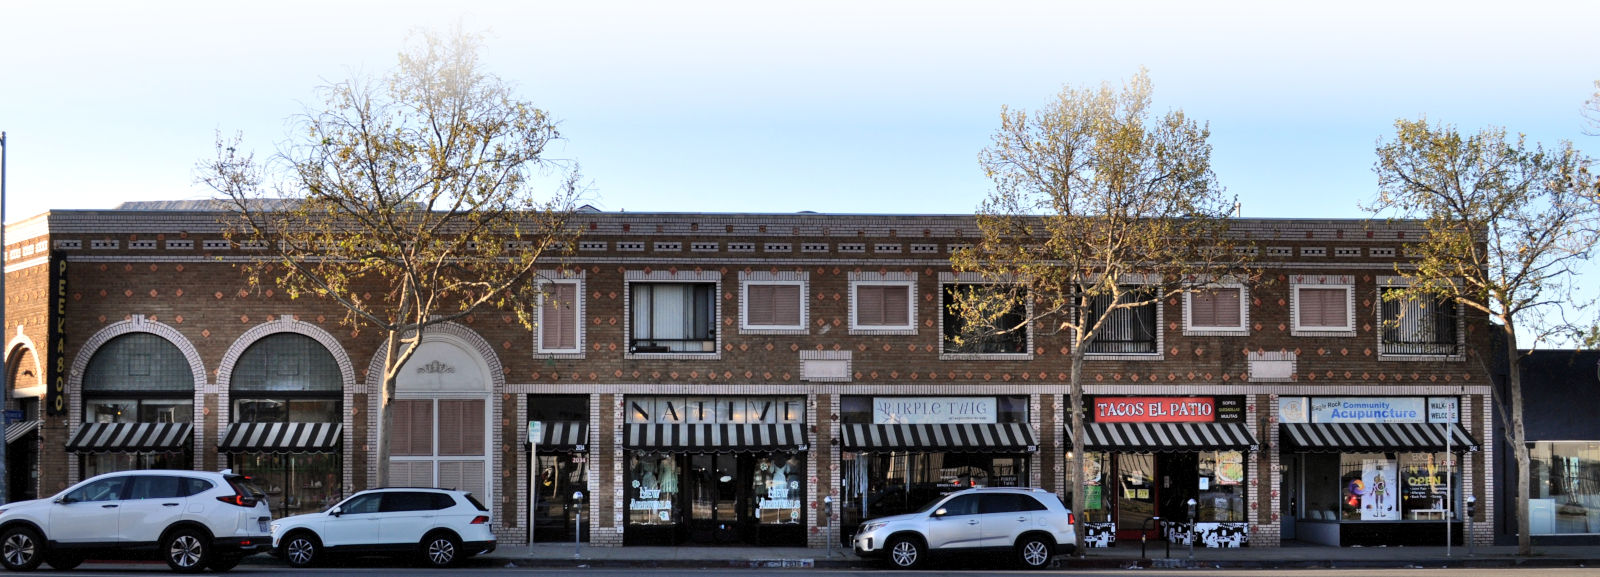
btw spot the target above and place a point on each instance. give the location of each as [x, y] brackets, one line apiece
[266, 525]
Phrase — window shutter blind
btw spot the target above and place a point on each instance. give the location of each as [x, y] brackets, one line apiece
[465, 433]
[1323, 307]
[762, 305]
[896, 301]
[559, 317]
[786, 305]
[869, 305]
[1215, 308]
[413, 428]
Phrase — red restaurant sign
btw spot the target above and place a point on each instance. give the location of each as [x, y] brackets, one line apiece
[1155, 410]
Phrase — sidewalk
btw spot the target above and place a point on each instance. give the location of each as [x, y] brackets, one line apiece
[1123, 556]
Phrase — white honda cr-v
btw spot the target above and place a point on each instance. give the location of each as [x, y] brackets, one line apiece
[193, 520]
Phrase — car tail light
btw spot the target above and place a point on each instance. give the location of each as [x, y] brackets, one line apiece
[239, 500]
[479, 520]
[1072, 519]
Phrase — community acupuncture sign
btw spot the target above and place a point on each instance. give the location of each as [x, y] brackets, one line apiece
[932, 410]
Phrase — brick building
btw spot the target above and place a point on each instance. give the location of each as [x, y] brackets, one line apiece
[720, 378]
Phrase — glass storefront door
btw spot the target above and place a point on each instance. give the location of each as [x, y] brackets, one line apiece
[718, 505]
[1137, 492]
[559, 475]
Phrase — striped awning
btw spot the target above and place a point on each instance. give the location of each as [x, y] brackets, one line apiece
[130, 438]
[1166, 437]
[19, 429]
[950, 438]
[564, 435]
[281, 438]
[1365, 437]
[714, 438]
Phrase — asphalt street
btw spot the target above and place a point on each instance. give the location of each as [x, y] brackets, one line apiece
[383, 568]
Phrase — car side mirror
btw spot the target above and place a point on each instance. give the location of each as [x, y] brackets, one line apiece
[335, 511]
[941, 512]
[63, 500]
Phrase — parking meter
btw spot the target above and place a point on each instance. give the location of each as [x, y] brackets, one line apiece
[1472, 510]
[577, 532]
[1192, 504]
[827, 520]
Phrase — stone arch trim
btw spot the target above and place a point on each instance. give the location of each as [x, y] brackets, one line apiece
[19, 344]
[134, 324]
[497, 385]
[347, 378]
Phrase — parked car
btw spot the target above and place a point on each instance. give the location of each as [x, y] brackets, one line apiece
[1028, 525]
[443, 526]
[193, 520]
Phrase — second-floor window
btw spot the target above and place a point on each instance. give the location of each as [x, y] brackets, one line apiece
[1127, 330]
[1007, 337]
[1220, 308]
[560, 309]
[1323, 308]
[883, 305]
[1419, 326]
[774, 305]
[674, 317]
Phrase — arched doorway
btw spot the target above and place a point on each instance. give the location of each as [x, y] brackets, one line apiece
[442, 418]
[286, 403]
[138, 407]
[24, 387]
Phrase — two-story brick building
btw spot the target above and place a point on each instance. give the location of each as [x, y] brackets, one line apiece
[723, 378]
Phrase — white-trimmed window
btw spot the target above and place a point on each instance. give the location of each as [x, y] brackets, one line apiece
[772, 305]
[1422, 327]
[561, 317]
[1324, 308]
[1007, 344]
[883, 307]
[673, 317]
[1218, 310]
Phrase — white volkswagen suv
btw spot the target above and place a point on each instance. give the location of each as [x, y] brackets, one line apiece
[1030, 525]
[193, 520]
[444, 526]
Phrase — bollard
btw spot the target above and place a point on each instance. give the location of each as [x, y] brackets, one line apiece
[577, 533]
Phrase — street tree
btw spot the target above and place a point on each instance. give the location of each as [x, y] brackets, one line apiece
[1507, 224]
[1101, 210]
[413, 199]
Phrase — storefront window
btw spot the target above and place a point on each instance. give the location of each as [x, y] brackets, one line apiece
[139, 411]
[1096, 503]
[1565, 488]
[100, 463]
[879, 484]
[1386, 487]
[652, 486]
[1222, 493]
[779, 488]
[294, 483]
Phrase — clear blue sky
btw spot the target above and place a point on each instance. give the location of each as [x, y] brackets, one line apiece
[853, 106]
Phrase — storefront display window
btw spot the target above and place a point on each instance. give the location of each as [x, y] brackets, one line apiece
[779, 489]
[653, 484]
[100, 463]
[1565, 487]
[1381, 487]
[896, 483]
[294, 483]
[1222, 493]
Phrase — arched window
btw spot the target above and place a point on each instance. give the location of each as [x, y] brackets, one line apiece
[138, 407]
[287, 390]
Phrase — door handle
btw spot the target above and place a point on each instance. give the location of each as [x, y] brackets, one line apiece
[972, 522]
[169, 504]
[108, 506]
[1021, 519]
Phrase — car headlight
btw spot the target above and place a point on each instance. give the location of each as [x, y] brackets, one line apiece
[873, 526]
[274, 527]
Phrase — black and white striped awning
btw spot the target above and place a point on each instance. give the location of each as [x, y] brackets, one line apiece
[950, 438]
[131, 438]
[564, 435]
[1165, 437]
[1366, 437]
[714, 438]
[19, 429]
[281, 438]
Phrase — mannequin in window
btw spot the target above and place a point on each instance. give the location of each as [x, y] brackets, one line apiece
[669, 477]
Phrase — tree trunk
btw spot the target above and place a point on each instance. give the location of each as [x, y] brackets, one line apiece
[1074, 408]
[386, 405]
[1519, 444]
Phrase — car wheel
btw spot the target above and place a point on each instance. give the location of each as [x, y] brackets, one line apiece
[21, 549]
[222, 564]
[441, 550]
[1034, 552]
[186, 551]
[64, 561]
[301, 550]
[905, 553]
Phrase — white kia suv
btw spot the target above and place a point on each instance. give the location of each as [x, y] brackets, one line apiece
[443, 526]
[1029, 525]
[193, 520]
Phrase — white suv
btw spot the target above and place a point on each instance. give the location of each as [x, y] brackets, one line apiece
[193, 520]
[1031, 525]
[444, 526]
